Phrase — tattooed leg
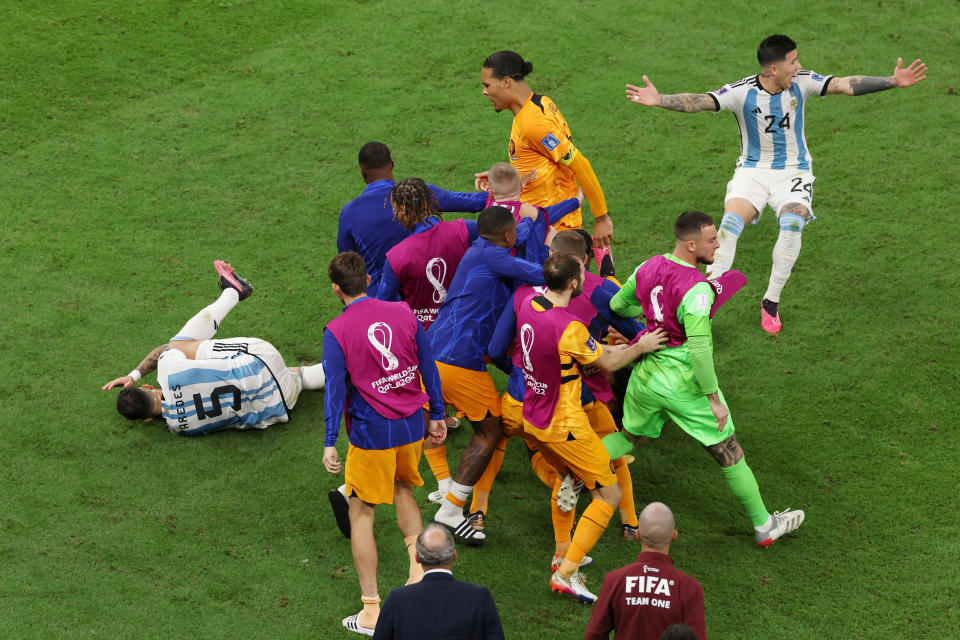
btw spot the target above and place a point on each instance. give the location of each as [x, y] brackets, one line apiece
[740, 479]
[479, 450]
[728, 452]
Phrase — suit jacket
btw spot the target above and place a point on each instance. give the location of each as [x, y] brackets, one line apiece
[439, 607]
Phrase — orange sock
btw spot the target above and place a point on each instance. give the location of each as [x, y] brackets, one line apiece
[562, 520]
[544, 470]
[481, 490]
[591, 526]
[628, 510]
[437, 459]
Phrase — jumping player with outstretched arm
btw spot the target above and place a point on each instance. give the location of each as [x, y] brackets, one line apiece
[775, 167]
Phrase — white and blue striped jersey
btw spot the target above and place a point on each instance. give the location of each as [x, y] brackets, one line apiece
[237, 391]
[771, 126]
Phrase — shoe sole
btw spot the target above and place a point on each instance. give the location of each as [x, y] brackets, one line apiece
[561, 590]
[341, 511]
[230, 275]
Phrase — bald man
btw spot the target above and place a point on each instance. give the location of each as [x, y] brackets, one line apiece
[439, 607]
[640, 600]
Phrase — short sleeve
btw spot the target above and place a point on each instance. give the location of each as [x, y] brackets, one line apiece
[577, 343]
[727, 98]
[812, 83]
[546, 131]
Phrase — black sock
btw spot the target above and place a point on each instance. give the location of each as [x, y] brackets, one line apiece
[770, 307]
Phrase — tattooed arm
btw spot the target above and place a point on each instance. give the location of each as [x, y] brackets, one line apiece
[860, 85]
[147, 365]
[648, 96]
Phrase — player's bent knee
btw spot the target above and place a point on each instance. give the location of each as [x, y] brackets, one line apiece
[611, 495]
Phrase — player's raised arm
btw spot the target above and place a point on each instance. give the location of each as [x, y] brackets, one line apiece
[859, 85]
[648, 96]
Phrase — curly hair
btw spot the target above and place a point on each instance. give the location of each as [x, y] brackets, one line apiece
[413, 201]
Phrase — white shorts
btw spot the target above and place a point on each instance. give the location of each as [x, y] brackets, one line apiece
[774, 187]
[289, 381]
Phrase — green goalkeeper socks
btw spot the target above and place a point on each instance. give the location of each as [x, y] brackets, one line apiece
[744, 486]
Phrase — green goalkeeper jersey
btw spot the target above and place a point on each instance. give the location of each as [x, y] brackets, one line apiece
[672, 372]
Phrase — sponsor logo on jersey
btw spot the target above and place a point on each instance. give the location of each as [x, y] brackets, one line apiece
[816, 76]
[550, 142]
[591, 344]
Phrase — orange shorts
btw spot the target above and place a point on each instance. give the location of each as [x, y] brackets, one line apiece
[585, 457]
[470, 392]
[512, 416]
[371, 473]
[601, 420]
[512, 420]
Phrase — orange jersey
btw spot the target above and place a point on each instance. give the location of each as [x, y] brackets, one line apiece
[539, 139]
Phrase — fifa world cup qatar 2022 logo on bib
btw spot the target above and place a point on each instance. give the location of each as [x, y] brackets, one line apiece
[526, 344]
[655, 303]
[436, 271]
[380, 336]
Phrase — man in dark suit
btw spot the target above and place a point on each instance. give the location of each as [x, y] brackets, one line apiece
[438, 607]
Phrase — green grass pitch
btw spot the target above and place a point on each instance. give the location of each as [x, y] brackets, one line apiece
[142, 140]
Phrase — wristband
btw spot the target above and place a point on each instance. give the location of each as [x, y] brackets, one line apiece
[135, 374]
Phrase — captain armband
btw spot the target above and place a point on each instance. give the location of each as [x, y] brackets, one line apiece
[570, 156]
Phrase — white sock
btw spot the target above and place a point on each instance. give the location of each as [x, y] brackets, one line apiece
[766, 525]
[450, 510]
[730, 229]
[313, 377]
[785, 253]
[343, 491]
[444, 485]
[204, 325]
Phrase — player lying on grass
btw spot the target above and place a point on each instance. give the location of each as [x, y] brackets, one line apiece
[207, 385]
[775, 167]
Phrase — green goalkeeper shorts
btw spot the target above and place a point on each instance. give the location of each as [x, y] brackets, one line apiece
[645, 411]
